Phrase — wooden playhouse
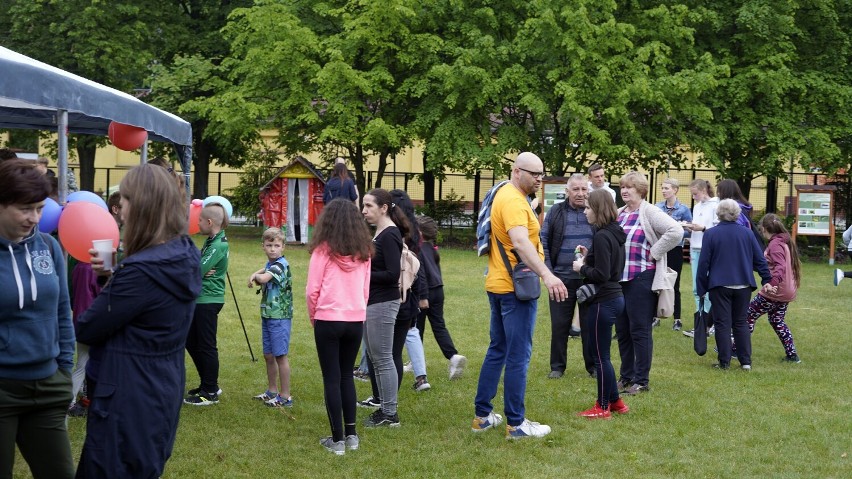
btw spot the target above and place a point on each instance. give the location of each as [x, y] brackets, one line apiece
[292, 200]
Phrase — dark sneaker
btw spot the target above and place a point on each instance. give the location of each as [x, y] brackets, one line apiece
[370, 403]
[78, 410]
[380, 419]
[635, 389]
[202, 399]
[421, 384]
[196, 391]
[555, 375]
[622, 385]
[677, 326]
[793, 358]
[654, 324]
[723, 366]
[574, 332]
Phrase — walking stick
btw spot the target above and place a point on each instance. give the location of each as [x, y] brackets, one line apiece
[241, 316]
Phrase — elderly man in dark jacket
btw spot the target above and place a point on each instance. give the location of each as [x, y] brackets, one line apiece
[566, 227]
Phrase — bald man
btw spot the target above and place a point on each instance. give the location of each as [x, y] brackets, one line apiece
[515, 227]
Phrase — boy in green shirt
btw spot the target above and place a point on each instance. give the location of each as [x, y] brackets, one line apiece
[201, 341]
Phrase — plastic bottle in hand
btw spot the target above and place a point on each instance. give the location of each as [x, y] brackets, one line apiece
[578, 254]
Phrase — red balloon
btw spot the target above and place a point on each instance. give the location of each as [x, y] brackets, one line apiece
[127, 137]
[194, 215]
[80, 223]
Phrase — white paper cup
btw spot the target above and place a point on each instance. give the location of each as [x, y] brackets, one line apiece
[104, 249]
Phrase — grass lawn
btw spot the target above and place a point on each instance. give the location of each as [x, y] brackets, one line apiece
[779, 420]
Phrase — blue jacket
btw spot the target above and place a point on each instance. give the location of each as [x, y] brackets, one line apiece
[137, 330]
[334, 188]
[729, 256]
[36, 333]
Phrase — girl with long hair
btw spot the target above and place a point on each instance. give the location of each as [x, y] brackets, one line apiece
[602, 266]
[337, 291]
[136, 330]
[383, 305]
[782, 256]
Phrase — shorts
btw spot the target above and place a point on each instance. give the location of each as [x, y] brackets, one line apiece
[275, 334]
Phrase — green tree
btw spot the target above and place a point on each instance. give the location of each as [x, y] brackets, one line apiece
[789, 82]
[108, 44]
[327, 76]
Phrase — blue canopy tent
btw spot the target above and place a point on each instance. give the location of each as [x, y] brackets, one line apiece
[37, 96]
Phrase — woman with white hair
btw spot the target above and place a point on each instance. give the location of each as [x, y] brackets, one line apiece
[729, 255]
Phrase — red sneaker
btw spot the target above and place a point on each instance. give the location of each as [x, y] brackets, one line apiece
[596, 413]
[619, 407]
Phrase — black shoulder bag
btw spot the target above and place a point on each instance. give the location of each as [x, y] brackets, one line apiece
[526, 281]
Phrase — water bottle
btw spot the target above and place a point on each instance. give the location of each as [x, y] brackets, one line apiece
[578, 254]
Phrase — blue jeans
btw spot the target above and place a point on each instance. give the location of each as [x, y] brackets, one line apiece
[694, 254]
[414, 345]
[599, 319]
[512, 326]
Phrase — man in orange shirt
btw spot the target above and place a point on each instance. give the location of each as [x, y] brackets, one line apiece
[515, 226]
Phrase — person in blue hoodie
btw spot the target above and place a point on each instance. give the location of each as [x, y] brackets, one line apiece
[36, 333]
[136, 331]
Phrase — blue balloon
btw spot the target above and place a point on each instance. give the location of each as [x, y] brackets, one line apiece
[49, 216]
[222, 201]
[87, 197]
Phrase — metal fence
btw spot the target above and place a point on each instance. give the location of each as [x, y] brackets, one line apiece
[471, 190]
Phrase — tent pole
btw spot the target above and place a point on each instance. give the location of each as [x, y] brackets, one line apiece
[143, 157]
[62, 160]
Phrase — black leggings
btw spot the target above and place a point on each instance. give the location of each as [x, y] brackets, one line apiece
[337, 346]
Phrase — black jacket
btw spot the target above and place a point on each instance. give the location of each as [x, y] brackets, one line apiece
[605, 262]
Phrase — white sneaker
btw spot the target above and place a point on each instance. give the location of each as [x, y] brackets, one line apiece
[407, 367]
[352, 442]
[838, 276]
[457, 364]
[485, 423]
[527, 429]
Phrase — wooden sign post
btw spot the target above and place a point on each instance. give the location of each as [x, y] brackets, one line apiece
[815, 213]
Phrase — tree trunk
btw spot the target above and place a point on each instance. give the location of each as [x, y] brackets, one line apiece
[383, 165]
[201, 166]
[428, 184]
[86, 147]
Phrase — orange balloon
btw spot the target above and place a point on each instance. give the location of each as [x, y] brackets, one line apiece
[194, 216]
[127, 137]
[80, 223]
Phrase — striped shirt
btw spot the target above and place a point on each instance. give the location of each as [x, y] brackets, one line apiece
[638, 258]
